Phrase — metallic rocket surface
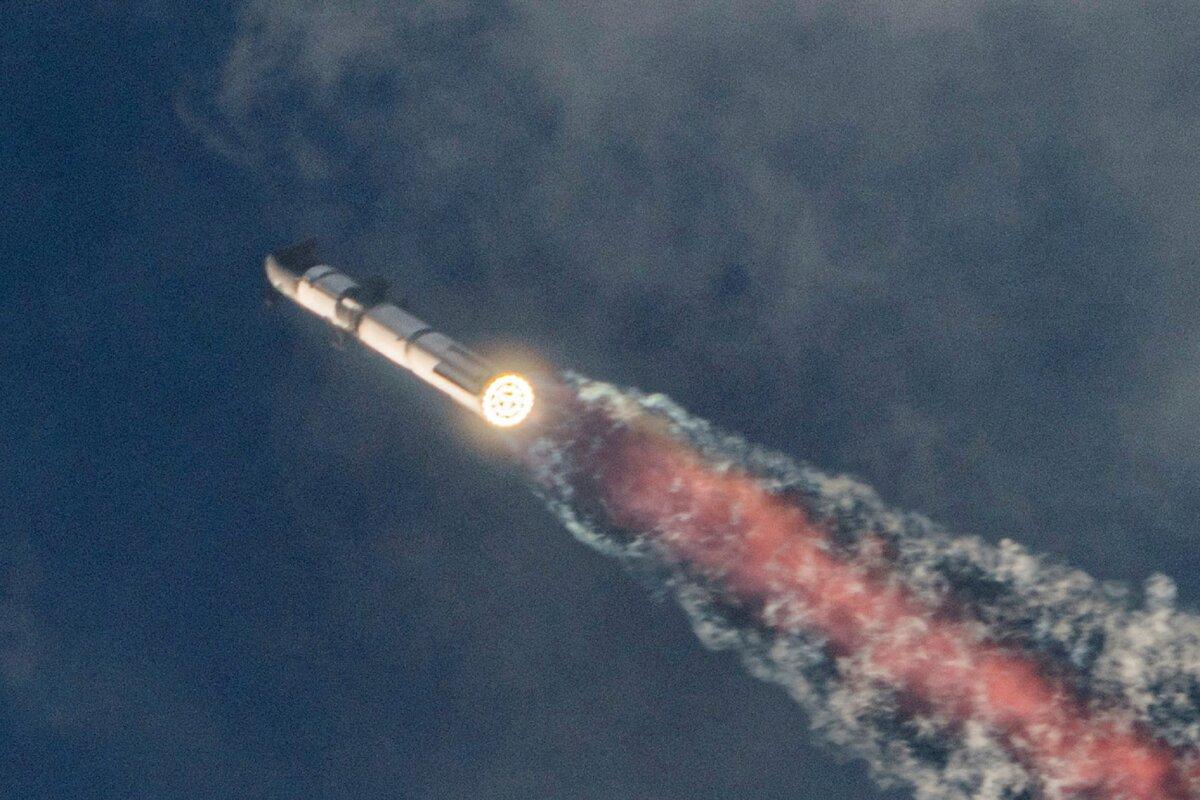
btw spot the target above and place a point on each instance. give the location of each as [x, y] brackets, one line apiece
[361, 309]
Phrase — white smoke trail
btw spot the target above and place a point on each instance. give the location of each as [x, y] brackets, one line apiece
[1140, 660]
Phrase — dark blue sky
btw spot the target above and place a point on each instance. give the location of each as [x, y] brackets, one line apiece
[952, 250]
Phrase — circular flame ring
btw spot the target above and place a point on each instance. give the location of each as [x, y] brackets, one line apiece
[507, 400]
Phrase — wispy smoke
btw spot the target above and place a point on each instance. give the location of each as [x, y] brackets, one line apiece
[924, 216]
[956, 667]
[957, 237]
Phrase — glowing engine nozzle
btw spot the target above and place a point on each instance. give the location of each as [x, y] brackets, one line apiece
[507, 400]
[504, 399]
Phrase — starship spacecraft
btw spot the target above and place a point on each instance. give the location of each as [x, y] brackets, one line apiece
[361, 309]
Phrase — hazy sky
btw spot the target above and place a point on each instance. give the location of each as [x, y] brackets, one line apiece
[951, 248]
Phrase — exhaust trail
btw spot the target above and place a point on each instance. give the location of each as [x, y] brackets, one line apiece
[958, 668]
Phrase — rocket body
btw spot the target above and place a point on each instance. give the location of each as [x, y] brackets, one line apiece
[362, 311]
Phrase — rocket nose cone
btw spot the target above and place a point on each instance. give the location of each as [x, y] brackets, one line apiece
[284, 280]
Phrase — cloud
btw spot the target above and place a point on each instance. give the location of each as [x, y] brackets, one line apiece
[948, 246]
[960, 233]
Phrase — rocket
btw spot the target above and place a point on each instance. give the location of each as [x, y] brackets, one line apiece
[361, 309]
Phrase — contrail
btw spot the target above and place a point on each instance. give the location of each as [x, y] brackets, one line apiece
[959, 668]
[962, 669]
